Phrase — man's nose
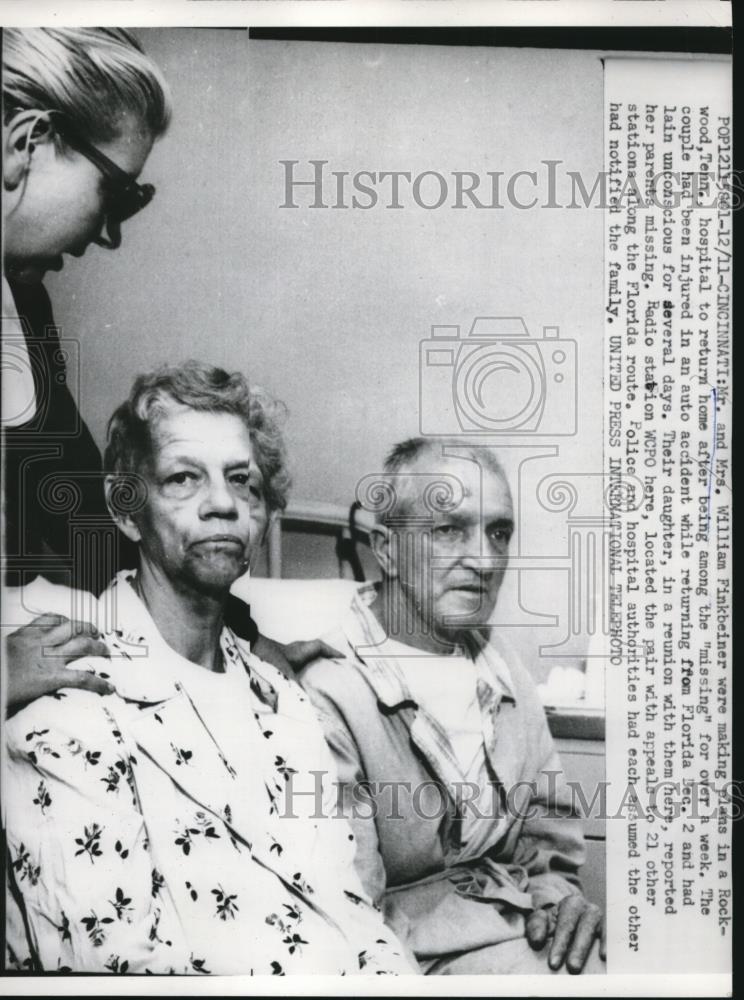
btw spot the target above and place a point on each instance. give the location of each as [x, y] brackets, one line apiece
[479, 554]
[472, 553]
[219, 501]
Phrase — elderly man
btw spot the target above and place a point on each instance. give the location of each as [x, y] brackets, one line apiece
[465, 831]
[146, 830]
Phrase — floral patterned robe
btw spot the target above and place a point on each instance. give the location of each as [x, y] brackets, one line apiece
[150, 831]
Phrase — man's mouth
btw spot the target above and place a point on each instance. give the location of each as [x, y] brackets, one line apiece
[226, 542]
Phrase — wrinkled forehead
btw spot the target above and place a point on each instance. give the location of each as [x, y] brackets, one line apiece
[435, 485]
[218, 436]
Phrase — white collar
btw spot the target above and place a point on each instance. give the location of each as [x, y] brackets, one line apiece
[143, 667]
[382, 665]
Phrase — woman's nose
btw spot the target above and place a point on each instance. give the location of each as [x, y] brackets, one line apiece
[219, 501]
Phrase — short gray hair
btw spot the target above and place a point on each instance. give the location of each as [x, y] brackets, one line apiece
[209, 389]
[406, 453]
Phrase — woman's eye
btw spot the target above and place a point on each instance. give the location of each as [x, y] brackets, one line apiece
[241, 482]
[181, 483]
[179, 478]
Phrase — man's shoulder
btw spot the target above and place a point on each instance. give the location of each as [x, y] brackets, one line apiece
[341, 679]
[516, 671]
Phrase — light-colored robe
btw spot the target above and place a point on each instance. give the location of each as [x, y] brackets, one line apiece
[449, 888]
[149, 831]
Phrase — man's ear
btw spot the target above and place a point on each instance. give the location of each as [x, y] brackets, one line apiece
[383, 543]
[22, 135]
[124, 521]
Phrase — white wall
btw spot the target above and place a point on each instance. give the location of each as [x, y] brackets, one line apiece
[327, 307]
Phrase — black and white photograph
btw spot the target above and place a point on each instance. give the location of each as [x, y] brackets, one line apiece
[366, 491]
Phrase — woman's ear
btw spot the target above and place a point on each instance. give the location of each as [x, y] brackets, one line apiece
[23, 135]
[260, 533]
[124, 521]
[383, 543]
[270, 522]
[260, 536]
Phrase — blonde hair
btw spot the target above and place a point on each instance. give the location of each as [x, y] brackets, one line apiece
[95, 76]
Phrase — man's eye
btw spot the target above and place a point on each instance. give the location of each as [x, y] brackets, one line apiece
[501, 536]
[447, 531]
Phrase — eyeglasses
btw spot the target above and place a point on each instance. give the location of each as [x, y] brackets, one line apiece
[124, 196]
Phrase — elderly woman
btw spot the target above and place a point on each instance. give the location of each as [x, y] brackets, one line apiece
[158, 829]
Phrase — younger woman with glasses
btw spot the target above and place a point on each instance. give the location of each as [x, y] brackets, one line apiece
[81, 110]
